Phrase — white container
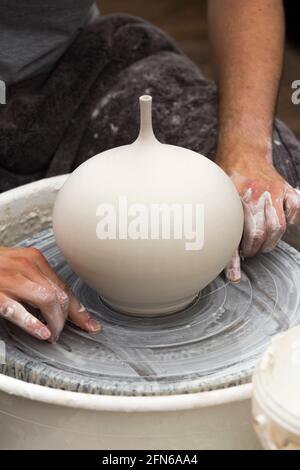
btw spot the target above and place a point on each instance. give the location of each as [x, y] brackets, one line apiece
[36, 417]
[276, 393]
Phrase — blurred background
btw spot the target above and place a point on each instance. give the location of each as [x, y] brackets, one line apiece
[185, 21]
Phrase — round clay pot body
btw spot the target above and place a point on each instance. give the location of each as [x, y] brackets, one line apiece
[148, 225]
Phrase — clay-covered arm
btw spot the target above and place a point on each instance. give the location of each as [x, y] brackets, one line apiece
[247, 40]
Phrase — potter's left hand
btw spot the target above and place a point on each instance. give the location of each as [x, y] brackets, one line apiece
[269, 202]
[26, 278]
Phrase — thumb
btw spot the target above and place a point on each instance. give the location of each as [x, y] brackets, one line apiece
[292, 206]
[233, 268]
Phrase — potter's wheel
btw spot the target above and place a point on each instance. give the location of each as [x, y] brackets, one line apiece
[214, 343]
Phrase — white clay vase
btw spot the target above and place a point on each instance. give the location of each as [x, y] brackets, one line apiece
[148, 225]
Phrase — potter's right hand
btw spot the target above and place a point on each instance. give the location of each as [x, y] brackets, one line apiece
[269, 202]
[27, 278]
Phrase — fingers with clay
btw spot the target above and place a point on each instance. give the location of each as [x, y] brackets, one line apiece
[264, 222]
[233, 269]
[269, 202]
[26, 278]
[14, 312]
[264, 225]
[77, 313]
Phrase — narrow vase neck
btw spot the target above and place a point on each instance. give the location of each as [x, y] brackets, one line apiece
[146, 129]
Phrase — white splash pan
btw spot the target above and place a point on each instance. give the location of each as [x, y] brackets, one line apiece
[38, 417]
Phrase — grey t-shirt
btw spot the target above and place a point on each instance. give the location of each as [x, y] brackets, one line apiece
[35, 33]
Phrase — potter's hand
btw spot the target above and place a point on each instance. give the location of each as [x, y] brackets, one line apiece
[247, 93]
[269, 203]
[27, 278]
